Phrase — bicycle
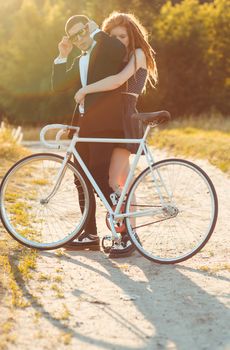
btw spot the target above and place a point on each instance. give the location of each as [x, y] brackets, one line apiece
[40, 204]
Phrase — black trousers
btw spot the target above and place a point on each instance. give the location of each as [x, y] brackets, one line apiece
[97, 158]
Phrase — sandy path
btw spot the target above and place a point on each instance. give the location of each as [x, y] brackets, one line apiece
[86, 301]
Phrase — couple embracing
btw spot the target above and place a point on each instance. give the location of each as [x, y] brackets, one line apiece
[106, 79]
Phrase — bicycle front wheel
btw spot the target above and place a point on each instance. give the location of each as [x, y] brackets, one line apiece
[175, 207]
[30, 214]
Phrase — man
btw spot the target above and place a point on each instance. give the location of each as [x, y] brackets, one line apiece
[101, 56]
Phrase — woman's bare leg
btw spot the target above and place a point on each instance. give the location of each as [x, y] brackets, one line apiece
[119, 168]
[118, 171]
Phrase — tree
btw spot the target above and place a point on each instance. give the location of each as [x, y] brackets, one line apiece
[185, 56]
[191, 38]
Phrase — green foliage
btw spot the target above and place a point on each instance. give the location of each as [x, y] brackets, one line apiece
[193, 46]
[191, 38]
[213, 145]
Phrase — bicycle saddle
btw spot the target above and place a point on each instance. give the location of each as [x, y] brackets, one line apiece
[153, 117]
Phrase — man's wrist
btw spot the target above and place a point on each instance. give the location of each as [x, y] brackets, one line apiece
[62, 56]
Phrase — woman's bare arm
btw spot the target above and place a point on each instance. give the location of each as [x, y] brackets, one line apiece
[114, 81]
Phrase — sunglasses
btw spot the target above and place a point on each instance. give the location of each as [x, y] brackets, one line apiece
[77, 36]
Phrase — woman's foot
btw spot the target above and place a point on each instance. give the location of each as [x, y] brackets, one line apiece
[123, 249]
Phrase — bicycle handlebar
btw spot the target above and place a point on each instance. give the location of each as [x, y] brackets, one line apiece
[63, 129]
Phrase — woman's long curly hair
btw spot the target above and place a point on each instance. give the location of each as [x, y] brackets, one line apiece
[138, 38]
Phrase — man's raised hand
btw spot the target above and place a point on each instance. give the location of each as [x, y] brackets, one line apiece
[65, 47]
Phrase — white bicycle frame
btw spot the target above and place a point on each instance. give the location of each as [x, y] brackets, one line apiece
[114, 215]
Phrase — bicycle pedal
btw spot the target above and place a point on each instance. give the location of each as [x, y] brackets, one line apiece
[107, 243]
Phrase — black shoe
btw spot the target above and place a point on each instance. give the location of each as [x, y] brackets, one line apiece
[124, 249]
[83, 242]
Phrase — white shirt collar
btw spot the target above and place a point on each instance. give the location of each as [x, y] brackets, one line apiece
[88, 52]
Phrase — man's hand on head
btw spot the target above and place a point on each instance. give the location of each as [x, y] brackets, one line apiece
[65, 47]
[92, 26]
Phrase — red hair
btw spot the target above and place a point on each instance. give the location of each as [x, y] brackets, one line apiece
[138, 38]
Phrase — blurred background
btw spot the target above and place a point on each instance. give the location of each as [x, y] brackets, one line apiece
[191, 39]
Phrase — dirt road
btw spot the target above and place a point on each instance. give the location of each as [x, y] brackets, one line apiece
[86, 301]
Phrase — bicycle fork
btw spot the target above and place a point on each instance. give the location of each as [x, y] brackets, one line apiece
[168, 209]
[60, 175]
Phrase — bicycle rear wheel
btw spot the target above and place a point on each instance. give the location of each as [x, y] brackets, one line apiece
[177, 229]
[27, 214]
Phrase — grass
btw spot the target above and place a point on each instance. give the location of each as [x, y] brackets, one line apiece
[37, 316]
[43, 277]
[6, 329]
[64, 314]
[33, 133]
[214, 268]
[10, 151]
[58, 279]
[66, 338]
[58, 290]
[205, 138]
[208, 122]
[15, 259]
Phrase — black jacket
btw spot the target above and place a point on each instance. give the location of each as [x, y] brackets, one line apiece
[101, 108]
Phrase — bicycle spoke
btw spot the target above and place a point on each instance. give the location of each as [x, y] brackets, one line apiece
[28, 216]
[188, 216]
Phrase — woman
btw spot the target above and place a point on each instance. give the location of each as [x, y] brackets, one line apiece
[139, 68]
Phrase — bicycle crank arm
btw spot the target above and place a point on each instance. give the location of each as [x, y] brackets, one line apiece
[115, 235]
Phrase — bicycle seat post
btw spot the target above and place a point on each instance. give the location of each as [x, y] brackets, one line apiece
[146, 132]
